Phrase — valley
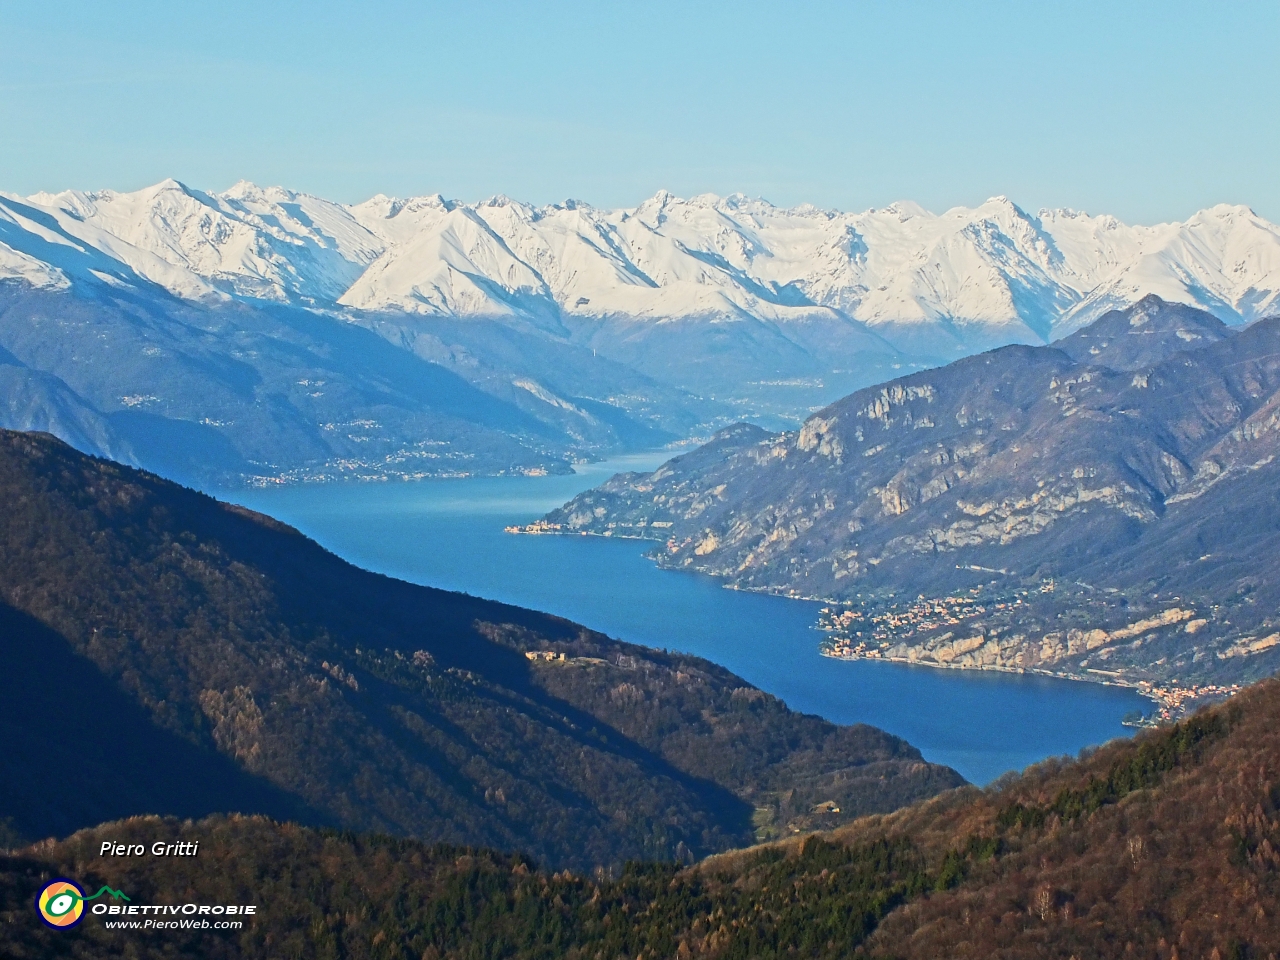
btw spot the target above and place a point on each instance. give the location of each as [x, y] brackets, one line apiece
[266, 335]
[662, 481]
[276, 678]
[1027, 518]
[449, 533]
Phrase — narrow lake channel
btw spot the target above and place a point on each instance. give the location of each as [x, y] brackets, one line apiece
[449, 534]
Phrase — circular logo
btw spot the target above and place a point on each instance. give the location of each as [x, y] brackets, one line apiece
[60, 903]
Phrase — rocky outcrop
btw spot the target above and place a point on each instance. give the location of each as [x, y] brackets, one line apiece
[1150, 435]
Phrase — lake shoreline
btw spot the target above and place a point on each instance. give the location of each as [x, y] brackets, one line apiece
[1173, 702]
[450, 535]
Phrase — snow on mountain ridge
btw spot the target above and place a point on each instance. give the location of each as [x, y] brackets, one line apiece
[931, 283]
[1225, 259]
[454, 265]
[269, 244]
[60, 236]
[15, 265]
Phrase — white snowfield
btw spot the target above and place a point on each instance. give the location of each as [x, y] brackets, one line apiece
[929, 283]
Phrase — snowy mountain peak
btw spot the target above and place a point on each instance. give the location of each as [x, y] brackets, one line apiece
[1223, 211]
[382, 207]
[705, 200]
[657, 204]
[906, 209]
[932, 284]
[168, 185]
[249, 192]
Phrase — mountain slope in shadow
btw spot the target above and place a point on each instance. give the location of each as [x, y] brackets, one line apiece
[73, 746]
[1163, 846]
[376, 704]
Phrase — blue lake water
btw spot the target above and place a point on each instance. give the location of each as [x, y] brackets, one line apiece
[448, 533]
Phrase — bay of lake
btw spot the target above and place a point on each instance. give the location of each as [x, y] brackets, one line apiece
[449, 534]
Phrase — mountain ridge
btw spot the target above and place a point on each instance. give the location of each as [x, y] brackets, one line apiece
[1162, 846]
[287, 245]
[595, 331]
[1034, 276]
[273, 677]
[1100, 517]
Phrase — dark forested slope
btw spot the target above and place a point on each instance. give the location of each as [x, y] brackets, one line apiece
[1163, 847]
[271, 676]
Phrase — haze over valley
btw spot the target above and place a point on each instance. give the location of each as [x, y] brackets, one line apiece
[263, 333]
[655, 481]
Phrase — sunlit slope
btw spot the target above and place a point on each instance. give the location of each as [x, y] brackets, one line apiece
[1109, 498]
[764, 309]
[965, 278]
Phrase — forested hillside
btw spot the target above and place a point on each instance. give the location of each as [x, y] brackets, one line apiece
[1163, 847]
[195, 657]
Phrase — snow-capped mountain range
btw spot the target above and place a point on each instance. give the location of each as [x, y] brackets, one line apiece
[261, 332]
[932, 285]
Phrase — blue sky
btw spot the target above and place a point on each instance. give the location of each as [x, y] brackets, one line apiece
[1146, 110]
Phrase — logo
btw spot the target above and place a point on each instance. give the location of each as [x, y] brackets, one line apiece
[61, 902]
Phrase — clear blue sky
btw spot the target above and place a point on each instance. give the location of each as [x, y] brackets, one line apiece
[1145, 110]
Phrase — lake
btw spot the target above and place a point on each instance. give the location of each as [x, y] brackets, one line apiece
[448, 533]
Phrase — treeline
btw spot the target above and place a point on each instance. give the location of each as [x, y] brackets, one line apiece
[330, 894]
[1175, 856]
[1145, 769]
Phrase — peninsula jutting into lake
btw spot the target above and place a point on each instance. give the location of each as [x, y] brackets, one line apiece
[1096, 509]
[660, 481]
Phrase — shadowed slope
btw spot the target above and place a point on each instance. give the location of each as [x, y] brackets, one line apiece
[1162, 847]
[379, 704]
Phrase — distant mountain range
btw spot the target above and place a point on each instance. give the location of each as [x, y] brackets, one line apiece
[590, 331]
[963, 280]
[167, 653]
[1104, 507]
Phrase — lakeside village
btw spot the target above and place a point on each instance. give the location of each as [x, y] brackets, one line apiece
[883, 636]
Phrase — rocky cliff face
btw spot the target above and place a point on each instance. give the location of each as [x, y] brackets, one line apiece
[1072, 493]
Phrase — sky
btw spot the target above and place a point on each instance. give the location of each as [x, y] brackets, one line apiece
[1148, 111]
